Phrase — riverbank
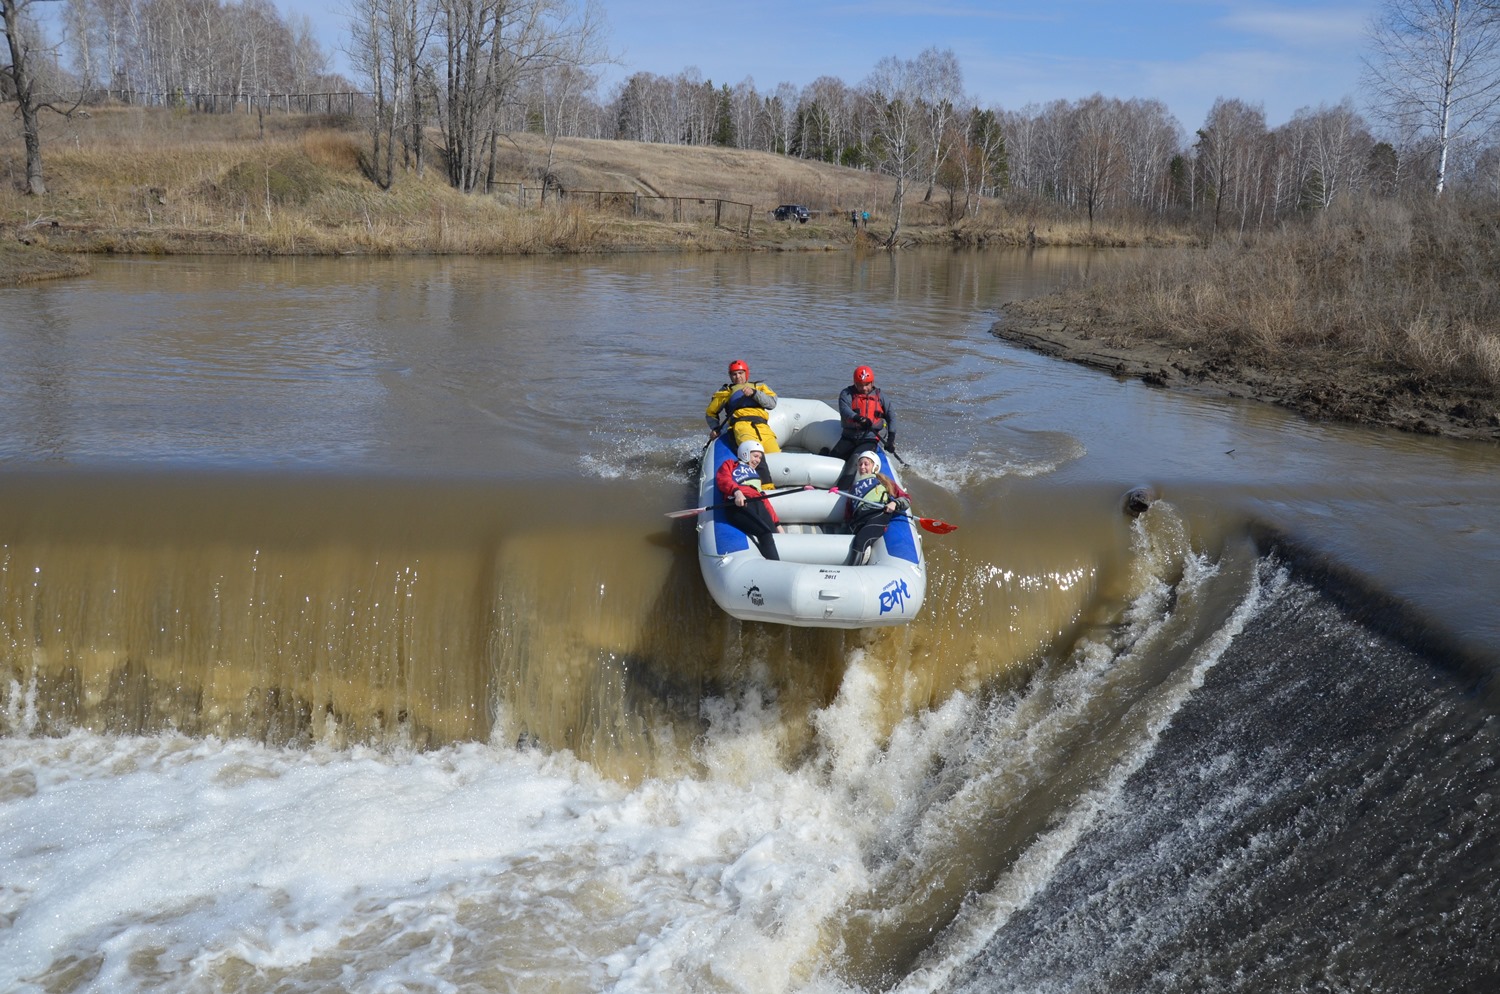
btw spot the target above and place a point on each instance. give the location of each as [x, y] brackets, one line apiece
[1318, 387]
[1380, 312]
[28, 263]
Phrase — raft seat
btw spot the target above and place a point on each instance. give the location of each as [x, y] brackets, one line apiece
[814, 548]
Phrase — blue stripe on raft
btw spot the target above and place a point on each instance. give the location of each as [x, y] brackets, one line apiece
[727, 538]
[899, 540]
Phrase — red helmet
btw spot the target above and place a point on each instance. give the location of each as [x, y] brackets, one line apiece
[863, 375]
[739, 366]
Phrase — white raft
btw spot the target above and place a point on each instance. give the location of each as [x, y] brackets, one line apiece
[810, 586]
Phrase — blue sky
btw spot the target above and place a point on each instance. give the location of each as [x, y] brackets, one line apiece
[1185, 53]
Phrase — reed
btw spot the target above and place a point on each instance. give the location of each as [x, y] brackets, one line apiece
[1378, 283]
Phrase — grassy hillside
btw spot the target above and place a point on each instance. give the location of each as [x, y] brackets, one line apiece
[159, 181]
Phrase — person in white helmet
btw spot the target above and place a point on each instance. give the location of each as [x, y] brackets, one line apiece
[746, 505]
[868, 522]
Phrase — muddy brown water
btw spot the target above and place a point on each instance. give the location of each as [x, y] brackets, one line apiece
[421, 501]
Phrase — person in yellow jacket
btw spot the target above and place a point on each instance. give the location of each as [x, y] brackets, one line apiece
[742, 406]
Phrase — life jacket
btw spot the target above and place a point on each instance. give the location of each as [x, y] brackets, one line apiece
[744, 476]
[869, 405]
[870, 488]
[736, 407]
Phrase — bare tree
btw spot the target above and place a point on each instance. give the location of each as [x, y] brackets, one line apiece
[22, 74]
[1338, 146]
[491, 47]
[1436, 66]
[987, 152]
[744, 109]
[941, 84]
[783, 110]
[1022, 135]
[1098, 151]
[1229, 147]
[1152, 138]
[376, 29]
[564, 82]
[894, 95]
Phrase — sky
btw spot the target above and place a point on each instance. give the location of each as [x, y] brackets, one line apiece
[1186, 53]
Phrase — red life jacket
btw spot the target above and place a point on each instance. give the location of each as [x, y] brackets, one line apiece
[869, 405]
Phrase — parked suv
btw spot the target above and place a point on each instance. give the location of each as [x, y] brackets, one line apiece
[791, 212]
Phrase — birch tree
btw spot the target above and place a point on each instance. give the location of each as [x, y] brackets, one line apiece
[564, 81]
[1229, 145]
[894, 96]
[941, 84]
[1435, 64]
[1098, 154]
[376, 29]
[490, 48]
[1339, 145]
[1021, 130]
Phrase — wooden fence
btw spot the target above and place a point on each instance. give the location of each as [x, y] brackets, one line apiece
[651, 207]
[347, 103]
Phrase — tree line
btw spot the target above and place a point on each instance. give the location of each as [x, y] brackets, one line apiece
[471, 71]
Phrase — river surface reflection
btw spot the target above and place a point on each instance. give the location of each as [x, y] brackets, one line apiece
[569, 373]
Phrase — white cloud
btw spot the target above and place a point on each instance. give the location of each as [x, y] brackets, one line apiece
[1315, 28]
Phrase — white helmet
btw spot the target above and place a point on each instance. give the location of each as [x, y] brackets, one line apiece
[869, 454]
[748, 446]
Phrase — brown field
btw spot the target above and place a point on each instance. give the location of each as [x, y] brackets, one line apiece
[163, 181]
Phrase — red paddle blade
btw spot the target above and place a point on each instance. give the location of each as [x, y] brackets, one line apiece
[935, 526]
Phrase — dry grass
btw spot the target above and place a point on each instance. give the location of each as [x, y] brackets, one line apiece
[134, 180]
[1380, 284]
[127, 179]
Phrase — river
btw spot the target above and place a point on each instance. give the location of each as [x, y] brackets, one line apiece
[347, 647]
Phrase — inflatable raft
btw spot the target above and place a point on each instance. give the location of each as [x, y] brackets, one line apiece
[810, 586]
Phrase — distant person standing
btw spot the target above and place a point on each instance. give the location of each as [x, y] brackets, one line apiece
[743, 407]
[865, 416]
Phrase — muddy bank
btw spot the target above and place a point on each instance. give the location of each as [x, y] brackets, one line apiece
[24, 262]
[1322, 387]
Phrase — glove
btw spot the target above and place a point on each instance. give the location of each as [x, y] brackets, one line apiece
[890, 440]
[902, 505]
[863, 421]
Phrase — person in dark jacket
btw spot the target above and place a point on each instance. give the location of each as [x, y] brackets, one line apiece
[865, 416]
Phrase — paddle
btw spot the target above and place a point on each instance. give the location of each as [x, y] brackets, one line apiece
[729, 503]
[928, 524]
